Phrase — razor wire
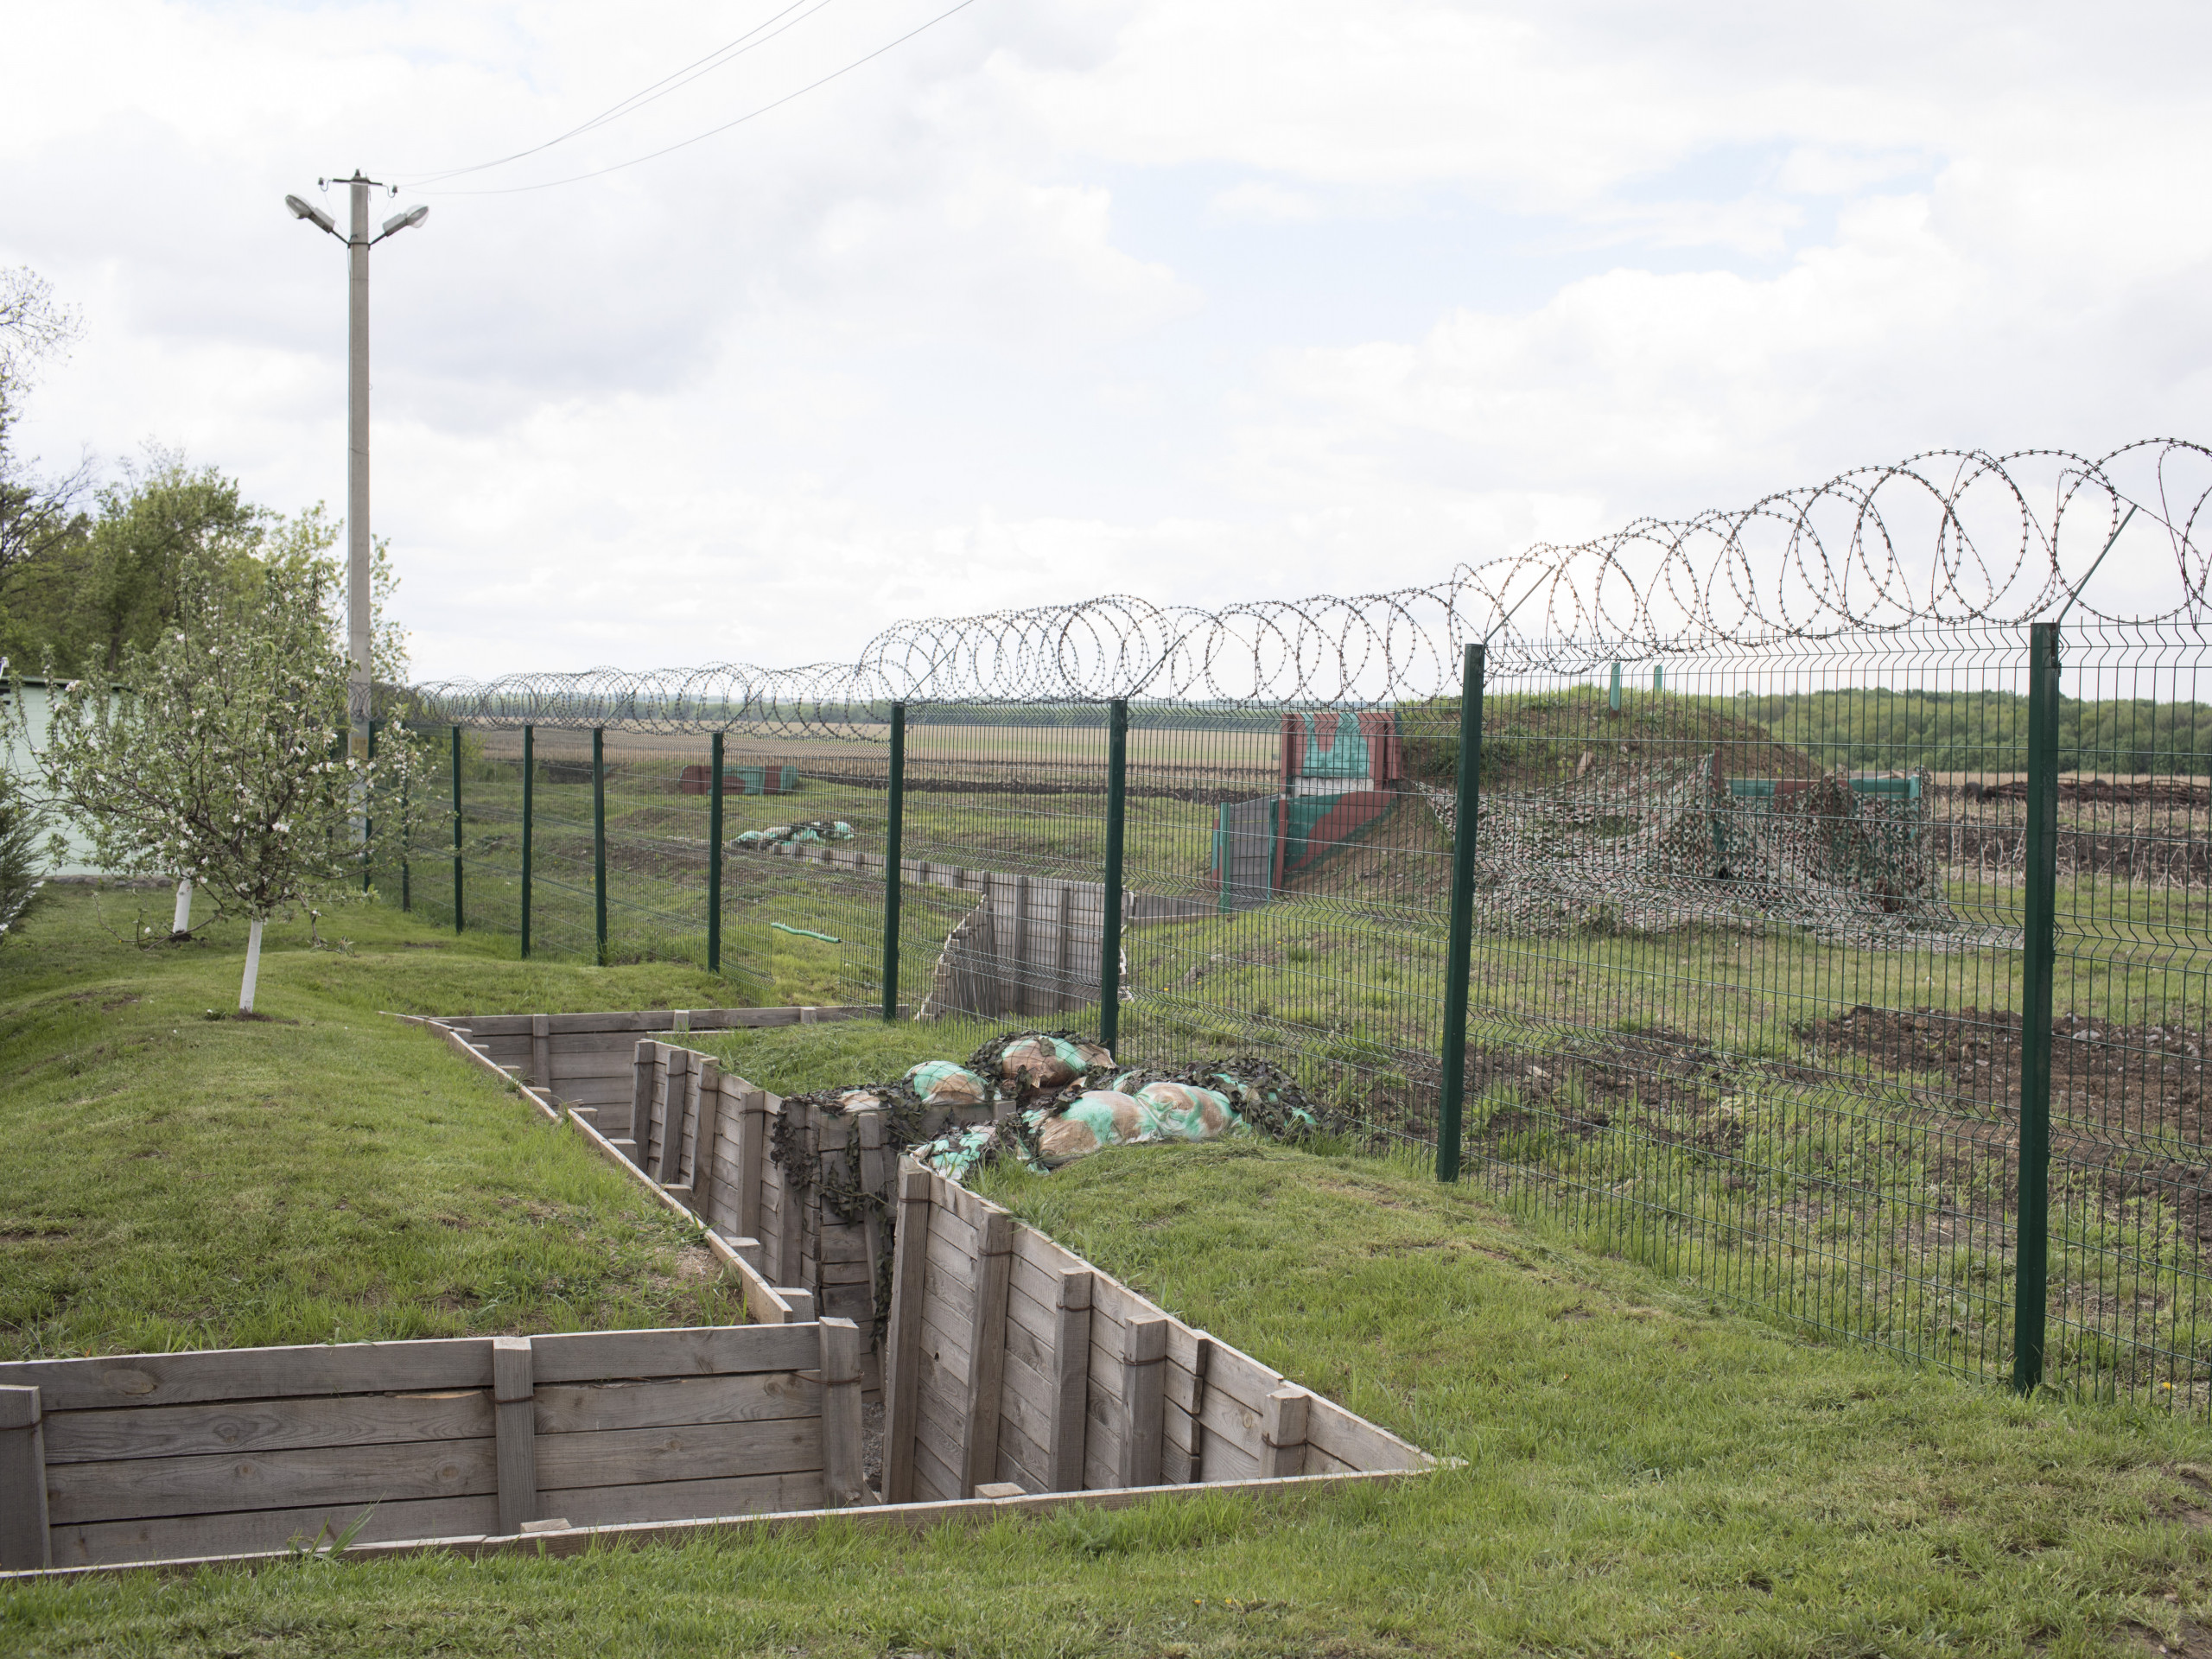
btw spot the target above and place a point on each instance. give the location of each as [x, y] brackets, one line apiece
[1943, 538]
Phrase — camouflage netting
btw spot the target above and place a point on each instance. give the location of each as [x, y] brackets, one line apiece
[1670, 846]
[1054, 1096]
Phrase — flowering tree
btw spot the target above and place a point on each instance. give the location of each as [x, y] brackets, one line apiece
[219, 754]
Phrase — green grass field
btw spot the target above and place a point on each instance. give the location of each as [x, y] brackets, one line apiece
[1645, 1472]
[324, 1173]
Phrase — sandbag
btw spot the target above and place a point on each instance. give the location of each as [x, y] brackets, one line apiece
[946, 1083]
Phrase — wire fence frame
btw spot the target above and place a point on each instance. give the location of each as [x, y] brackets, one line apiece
[1847, 955]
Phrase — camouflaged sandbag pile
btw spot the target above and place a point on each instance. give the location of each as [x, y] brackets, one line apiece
[1069, 1101]
[815, 830]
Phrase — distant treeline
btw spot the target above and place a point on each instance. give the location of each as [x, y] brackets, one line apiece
[1877, 729]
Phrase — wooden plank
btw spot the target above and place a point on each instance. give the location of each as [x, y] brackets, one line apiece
[168, 1537]
[1024, 1400]
[1019, 1459]
[1227, 1421]
[25, 1542]
[1354, 1441]
[1041, 1285]
[960, 1235]
[987, 1348]
[514, 1451]
[1144, 1357]
[267, 1425]
[934, 1480]
[1070, 1382]
[951, 1276]
[139, 1487]
[903, 1333]
[1283, 1433]
[1052, 1259]
[613, 1063]
[488, 1025]
[626, 1456]
[939, 1424]
[706, 1137]
[840, 1431]
[704, 1351]
[253, 1373]
[675, 1402]
[1318, 1462]
[540, 1050]
[682, 1500]
[944, 1346]
[1030, 1330]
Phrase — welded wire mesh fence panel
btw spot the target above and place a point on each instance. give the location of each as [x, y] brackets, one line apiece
[1288, 885]
[1004, 823]
[2128, 1307]
[1748, 964]
[803, 818]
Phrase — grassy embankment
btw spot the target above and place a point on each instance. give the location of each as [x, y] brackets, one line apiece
[1645, 1474]
[326, 1174]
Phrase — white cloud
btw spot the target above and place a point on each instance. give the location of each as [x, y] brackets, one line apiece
[1203, 302]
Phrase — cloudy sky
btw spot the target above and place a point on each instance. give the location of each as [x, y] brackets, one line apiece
[1198, 302]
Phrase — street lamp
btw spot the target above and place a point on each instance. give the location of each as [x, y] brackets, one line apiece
[357, 427]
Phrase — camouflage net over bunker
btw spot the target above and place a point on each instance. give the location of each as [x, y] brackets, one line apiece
[1678, 845]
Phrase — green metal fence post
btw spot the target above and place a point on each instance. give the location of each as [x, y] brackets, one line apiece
[1109, 912]
[529, 793]
[599, 834]
[457, 829]
[893, 837]
[2038, 959]
[1458, 948]
[714, 858]
[368, 824]
[1614, 697]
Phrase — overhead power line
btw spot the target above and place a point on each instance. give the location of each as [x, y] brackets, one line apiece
[724, 55]
[700, 137]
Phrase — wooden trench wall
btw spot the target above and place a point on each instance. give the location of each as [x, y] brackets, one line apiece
[1012, 1371]
[707, 1143]
[1013, 1362]
[153, 1456]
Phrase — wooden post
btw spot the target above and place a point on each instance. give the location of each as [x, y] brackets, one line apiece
[902, 1343]
[706, 1132]
[641, 1098]
[1071, 1402]
[987, 1350]
[791, 1214]
[1144, 1399]
[529, 799]
[714, 860]
[1201, 1363]
[875, 1176]
[26, 1545]
[673, 1089]
[1282, 1434]
[541, 1051]
[515, 1431]
[841, 1480]
[751, 1148]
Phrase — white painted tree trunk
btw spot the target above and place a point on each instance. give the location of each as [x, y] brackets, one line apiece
[183, 925]
[252, 966]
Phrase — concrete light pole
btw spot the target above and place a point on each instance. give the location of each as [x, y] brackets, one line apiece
[357, 427]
